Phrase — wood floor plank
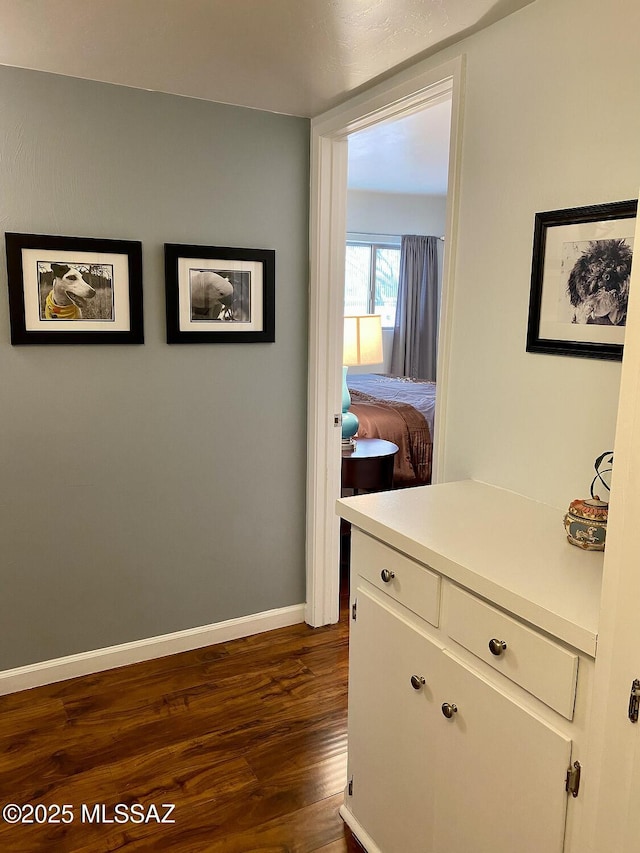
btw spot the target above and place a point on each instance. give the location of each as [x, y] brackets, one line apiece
[303, 831]
[277, 756]
[32, 717]
[347, 844]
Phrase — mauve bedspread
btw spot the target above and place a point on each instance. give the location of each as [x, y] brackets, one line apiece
[418, 393]
[406, 427]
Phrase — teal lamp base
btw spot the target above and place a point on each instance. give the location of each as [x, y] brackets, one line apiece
[349, 420]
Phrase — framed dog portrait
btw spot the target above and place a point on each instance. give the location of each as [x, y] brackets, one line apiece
[219, 294]
[580, 280]
[74, 290]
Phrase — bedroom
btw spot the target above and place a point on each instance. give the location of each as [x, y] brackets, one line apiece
[144, 561]
[397, 185]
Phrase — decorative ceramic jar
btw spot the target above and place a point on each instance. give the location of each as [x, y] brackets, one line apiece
[586, 523]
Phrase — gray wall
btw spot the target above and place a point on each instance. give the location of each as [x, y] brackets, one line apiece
[396, 213]
[149, 489]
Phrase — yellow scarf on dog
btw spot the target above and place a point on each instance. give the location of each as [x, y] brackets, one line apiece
[57, 312]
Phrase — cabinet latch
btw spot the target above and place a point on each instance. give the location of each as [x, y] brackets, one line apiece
[572, 785]
[354, 610]
[350, 787]
[634, 700]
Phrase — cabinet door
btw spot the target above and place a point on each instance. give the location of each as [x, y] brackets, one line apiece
[501, 786]
[392, 727]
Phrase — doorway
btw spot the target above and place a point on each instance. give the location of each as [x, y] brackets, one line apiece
[397, 185]
[406, 94]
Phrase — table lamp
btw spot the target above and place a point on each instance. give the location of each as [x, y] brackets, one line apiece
[362, 344]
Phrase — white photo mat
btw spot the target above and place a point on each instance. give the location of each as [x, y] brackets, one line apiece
[219, 266]
[564, 244]
[121, 309]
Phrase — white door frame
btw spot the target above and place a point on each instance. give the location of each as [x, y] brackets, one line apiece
[611, 813]
[402, 95]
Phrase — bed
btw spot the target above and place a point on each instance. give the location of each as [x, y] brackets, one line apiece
[400, 410]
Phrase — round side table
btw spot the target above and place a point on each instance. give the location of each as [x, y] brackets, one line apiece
[369, 465]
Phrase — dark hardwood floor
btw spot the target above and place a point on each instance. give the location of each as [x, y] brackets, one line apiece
[247, 739]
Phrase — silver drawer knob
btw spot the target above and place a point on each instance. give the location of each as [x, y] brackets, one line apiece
[449, 710]
[417, 682]
[497, 647]
[387, 575]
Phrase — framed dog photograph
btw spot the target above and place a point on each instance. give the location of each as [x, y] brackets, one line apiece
[219, 294]
[580, 277]
[74, 290]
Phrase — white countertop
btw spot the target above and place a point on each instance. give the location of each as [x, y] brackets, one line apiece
[507, 548]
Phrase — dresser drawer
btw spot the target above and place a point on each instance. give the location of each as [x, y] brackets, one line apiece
[536, 663]
[408, 582]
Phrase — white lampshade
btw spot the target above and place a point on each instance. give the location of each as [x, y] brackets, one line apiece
[362, 339]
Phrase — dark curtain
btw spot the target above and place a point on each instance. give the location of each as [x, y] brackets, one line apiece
[416, 327]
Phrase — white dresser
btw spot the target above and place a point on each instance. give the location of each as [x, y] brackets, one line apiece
[472, 645]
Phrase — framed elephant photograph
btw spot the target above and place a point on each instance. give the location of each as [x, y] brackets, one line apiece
[74, 290]
[580, 278]
[219, 294]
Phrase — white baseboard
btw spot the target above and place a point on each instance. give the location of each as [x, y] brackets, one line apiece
[86, 663]
[363, 837]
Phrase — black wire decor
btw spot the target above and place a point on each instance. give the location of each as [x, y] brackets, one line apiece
[605, 459]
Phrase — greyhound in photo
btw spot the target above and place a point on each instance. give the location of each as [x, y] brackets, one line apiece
[598, 284]
[68, 294]
[211, 295]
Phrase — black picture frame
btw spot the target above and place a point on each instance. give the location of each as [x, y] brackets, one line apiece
[219, 294]
[112, 269]
[580, 269]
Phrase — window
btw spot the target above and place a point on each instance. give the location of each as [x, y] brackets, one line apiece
[371, 279]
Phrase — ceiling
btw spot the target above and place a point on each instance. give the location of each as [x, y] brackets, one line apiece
[408, 155]
[298, 57]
